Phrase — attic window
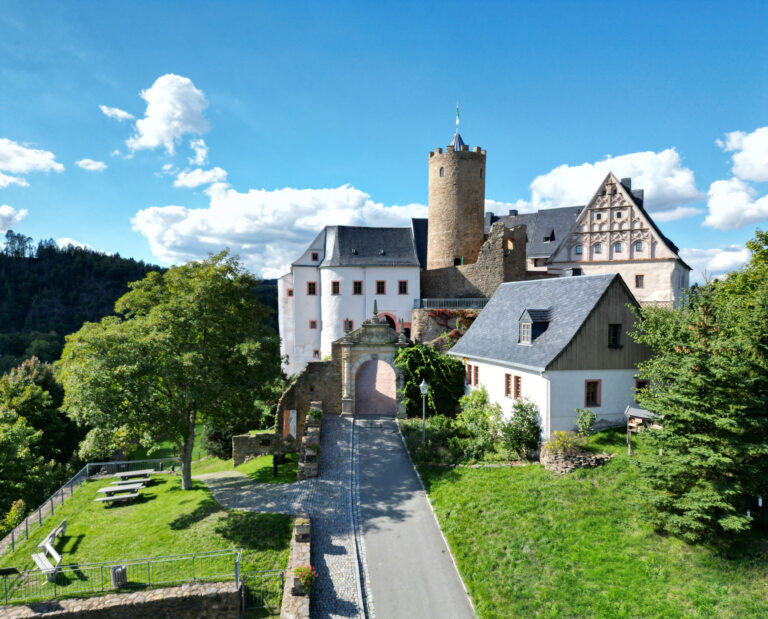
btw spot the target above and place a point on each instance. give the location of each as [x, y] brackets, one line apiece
[382, 252]
[525, 332]
[354, 252]
[618, 214]
[599, 216]
[315, 256]
[578, 250]
[550, 237]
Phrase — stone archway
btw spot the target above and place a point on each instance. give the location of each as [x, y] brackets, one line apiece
[375, 389]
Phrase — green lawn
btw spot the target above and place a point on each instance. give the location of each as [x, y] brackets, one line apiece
[529, 543]
[259, 469]
[164, 521]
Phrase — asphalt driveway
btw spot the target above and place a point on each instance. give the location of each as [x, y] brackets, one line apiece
[410, 568]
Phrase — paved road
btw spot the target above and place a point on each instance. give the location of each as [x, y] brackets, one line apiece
[410, 570]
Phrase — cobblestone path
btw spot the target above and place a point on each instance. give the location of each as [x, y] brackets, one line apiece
[328, 500]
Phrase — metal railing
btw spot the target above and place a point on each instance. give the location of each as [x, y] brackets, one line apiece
[97, 578]
[262, 590]
[36, 518]
[475, 303]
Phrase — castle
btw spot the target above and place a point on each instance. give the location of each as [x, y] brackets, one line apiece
[460, 255]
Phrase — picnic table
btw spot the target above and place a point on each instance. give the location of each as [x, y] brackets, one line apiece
[110, 490]
[41, 559]
[144, 473]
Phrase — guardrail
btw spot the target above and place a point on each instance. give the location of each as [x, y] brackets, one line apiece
[152, 572]
[93, 469]
[474, 303]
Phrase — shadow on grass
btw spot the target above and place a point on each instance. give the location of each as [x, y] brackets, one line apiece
[72, 543]
[286, 472]
[255, 531]
[201, 512]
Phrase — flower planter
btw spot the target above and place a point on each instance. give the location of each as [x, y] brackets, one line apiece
[298, 587]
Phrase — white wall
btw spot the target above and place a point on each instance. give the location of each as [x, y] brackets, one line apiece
[306, 308]
[286, 321]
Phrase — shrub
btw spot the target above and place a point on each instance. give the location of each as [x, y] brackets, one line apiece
[585, 422]
[444, 375]
[563, 443]
[13, 518]
[479, 417]
[316, 414]
[313, 447]
[521, 433]
[307, 575]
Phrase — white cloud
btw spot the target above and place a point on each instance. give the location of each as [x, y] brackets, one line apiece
[750, 159]
[6, 180]
[733, 204]
[67, 242]
[198, 177]
[714, 262]
[116, 113]
[679, 212]
[20, 159]
[91, 165]
[268, 229]
[502, 208]
[174, 107]
[666, 182]
[201, 152]
[9, 217]
[115, 153]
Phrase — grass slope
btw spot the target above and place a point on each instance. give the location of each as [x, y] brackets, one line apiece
[165, 520]
[259, 469]
[529, 543]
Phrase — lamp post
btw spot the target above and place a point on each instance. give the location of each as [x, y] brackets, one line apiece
[423, 388]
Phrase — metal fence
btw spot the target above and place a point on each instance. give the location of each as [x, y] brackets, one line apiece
[476, 303]
[262, 591]
[95, 578]
[93, 469]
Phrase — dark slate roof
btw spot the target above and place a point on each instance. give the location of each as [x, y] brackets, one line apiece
[363, 246]
[538, 315]
[540, 225]
[456, 142]
[494, 334]
[420, 228]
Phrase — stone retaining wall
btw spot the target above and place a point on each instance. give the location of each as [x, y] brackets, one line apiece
[297, 606]
[562, 463]
[219, 600]
[248, 446]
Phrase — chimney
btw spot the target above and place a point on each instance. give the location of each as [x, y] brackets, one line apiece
[638, 195]
[513, 212]
[627, 182]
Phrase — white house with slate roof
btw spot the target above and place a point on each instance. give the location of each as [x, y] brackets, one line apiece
[562, 343]
[334, 283]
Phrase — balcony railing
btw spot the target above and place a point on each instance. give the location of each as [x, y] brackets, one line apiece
[474, 303]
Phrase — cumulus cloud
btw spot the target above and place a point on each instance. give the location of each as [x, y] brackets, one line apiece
[91, 165]
[7, 179]
[750, 159]
[65, 242]
[734, 204]
[679, 212]
[201, 152]
[502, 208]
[116, 113]
[666, 182]
[198, 177]
[9, 217]
[715, 261]
[174, 108]
[19, 159]
[268, 229]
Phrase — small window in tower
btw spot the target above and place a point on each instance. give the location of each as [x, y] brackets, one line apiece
[313, 324]
[481, 172]
[442, 172]
[315, 256]
[311, 288]
[289, 292]
[357, 287]
[335, 287]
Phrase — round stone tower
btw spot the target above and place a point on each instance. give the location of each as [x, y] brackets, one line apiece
[456, 204]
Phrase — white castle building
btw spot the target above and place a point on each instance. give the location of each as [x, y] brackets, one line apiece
[331, 288]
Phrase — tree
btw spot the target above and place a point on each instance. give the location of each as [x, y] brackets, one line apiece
[708, 377]
[189, 344]
[444, 375]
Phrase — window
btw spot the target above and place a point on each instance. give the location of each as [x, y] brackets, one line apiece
[599, 216]
[357, 287]
[525, 332]
[442, 172]
[518, 387]
[614, 336]
[313, 324]
[469, 374]
[598, 248]
[289, 292]
[618, 214]
[476, 376]
[311, 288]
[381, 286]
[639, 281]
[315, 354]
[481, 171]
[592, 390]
[578, 250]
[349, 325]
[638, 246]
[508, 385]
[335, 287]
[315, 256]
[617, 248]
[402, 286]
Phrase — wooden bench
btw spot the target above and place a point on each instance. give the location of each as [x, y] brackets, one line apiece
[110, 490]
[117, 498]
[41, 558]
[123, 482]
[143, 474]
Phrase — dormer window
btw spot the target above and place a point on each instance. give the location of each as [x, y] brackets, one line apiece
[550, 237]
[315, 256]
[525, 332]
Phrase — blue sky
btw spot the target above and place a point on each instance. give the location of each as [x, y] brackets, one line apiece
[319, 113]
